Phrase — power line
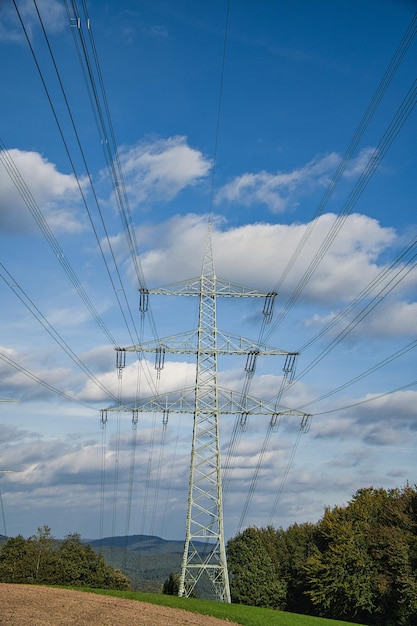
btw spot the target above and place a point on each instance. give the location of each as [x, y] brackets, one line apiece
[219, 106]
[382, 276]
[104, 121]
[25, 193]
[365, 121]
[359, 377]
[61, 132]
[385, 82]
[378, 154]
[376, 300]
[367, 400]
[38, 380]
[11, 282]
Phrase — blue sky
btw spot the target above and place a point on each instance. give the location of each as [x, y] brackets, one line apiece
[294, 130]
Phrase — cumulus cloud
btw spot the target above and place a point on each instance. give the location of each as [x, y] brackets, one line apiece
[176, 375]
[54, 193]
[397, 318]
[279, 191]
[373, 419]
[23, 378]
[393, 318]
[356, 166]
[282, 191]
[256, 254]
[159, 170]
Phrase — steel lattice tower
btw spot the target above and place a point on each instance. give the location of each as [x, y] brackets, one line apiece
[205, 502]
[207, 401]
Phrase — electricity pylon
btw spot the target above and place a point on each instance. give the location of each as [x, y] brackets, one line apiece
[206, 400]
[1, 497]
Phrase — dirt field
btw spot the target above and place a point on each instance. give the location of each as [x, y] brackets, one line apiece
[28, 605]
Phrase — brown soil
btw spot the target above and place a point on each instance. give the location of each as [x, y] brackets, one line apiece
[29, 605]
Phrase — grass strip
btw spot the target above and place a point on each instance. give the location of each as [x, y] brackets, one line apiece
[239, 613]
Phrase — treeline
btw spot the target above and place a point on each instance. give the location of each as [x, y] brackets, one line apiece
[43, 560]
[358, 563]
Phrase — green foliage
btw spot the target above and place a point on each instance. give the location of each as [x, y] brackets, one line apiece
[172, 584]
[365, 565]
[359, 562]
[40, 559]
[17, 561]
[254, 575]
[293, 547]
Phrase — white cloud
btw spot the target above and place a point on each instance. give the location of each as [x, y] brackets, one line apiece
[160, 169]
[55, 194]
[176, 375]
[356, 166]
[377, 420]
[51, 10]
[399, 408]
[256, 254]
[395, 318]
[19, 372]
[282, 191]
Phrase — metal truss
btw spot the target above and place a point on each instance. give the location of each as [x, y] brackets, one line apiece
[207, 401]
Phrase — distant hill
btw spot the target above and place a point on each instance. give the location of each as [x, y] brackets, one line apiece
[141, 543]
[147, 560]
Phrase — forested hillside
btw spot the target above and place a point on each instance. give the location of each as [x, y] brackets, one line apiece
[358, 563]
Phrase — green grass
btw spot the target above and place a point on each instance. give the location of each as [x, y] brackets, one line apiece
[245, 615]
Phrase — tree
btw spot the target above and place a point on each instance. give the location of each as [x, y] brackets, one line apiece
[172, 584]
[254, 575]
[340, 575]
[17, 561]
[293, 547]
[80, 566]
[364, 567]
[43, 544]
[39, 560]
[358, 563]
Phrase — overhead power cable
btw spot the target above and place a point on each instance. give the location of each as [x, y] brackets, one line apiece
[25, 193]
[289, 373]
[61, 132]
[392, 357]
[217, 132]
[398, 121]
[42, 382]
[382, 277]
[363, 125]
[90, 66]
[103, 474]
[116, 462]
[10, 281]
[366, 119]
[284, 477]
[376, 300]
[385, 82]
[96, 91]
[368, 400]
[387, 282]
[105, 127]
[94, 82]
